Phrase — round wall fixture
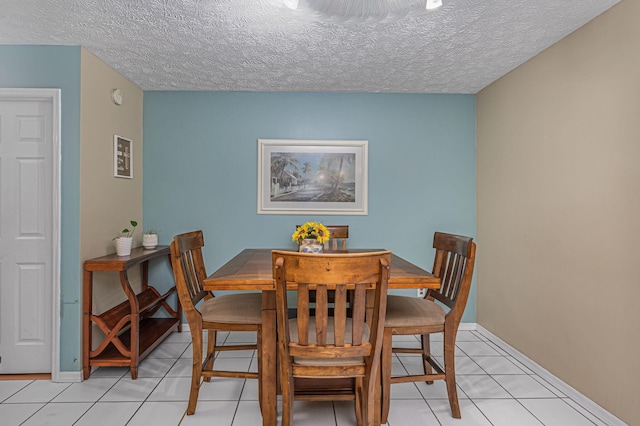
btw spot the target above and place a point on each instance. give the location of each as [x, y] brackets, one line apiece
[116, 95]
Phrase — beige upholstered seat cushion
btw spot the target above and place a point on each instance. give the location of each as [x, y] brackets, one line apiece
[242, 308]
[404, 311]
[293, 334]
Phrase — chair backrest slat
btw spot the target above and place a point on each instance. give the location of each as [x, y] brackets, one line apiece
[453, 275]
[340, 314]
[458, 274]
[358, 312]
[322, 315]
[191, 275]
[303, 314]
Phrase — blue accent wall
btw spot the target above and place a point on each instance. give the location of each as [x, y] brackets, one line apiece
[200, 167]
[59, 67]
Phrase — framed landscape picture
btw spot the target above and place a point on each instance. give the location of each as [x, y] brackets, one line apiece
[319, 177]
[122, 157]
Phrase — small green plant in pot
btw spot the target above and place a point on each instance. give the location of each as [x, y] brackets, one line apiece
[150, 239]
[124, 241]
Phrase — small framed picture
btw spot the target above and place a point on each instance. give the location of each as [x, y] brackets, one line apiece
[122, 157]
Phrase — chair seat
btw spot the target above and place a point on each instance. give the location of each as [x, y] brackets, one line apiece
[327, 362]
[243, 308]
[404, 311]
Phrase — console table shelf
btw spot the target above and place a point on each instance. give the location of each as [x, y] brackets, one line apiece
[152, 332]
[131, 331]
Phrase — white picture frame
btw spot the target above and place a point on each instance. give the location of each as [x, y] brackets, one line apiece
[313, 177]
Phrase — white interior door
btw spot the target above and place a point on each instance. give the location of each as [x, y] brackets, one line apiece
[27, 233]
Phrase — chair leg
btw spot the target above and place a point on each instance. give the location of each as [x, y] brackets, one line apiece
[211, 348]
[450, 374]
[426, 354]
[370, 395]
[196, 373]
[260, 367]
[286, 385]
[287, 399]
[359, 403]
[385, 372]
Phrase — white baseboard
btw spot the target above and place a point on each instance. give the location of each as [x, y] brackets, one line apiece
[67, 377]
[467, 326]
[572, 393]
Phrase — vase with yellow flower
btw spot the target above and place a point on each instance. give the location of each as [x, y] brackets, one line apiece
[311, 237]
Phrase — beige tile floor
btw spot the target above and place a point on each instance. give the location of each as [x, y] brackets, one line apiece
[494, 388]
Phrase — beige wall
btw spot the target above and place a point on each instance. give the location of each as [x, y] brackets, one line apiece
[107, 203]
[558, 181]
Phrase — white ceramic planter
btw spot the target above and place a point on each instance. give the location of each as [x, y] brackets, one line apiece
[149, 241]
[310, 246]
[123, 246]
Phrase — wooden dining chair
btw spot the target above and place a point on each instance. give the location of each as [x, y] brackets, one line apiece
[232, 312]
[338, 346]
[338, 235]
[453, 264]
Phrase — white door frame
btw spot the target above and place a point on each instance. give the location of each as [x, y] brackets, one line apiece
[52, 95]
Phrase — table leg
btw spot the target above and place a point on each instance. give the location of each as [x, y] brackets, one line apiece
[269, 359]
[86, 338]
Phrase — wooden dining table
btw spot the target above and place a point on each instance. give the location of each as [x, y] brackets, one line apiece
[251, 270]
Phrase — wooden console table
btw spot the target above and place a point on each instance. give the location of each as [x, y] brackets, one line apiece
[131, 332]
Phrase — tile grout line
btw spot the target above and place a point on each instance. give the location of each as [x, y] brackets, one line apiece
[504, 354]
[509, 393]
[19, 390]
[96, 401]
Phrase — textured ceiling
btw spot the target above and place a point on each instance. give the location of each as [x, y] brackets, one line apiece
[260, 45]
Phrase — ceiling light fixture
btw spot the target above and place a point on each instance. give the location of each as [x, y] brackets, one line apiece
[433, 4]
[341, 11]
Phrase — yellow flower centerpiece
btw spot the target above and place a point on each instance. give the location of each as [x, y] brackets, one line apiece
[310, 237]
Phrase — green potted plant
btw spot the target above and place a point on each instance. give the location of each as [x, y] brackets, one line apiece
[125, 239]
[150, 239]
